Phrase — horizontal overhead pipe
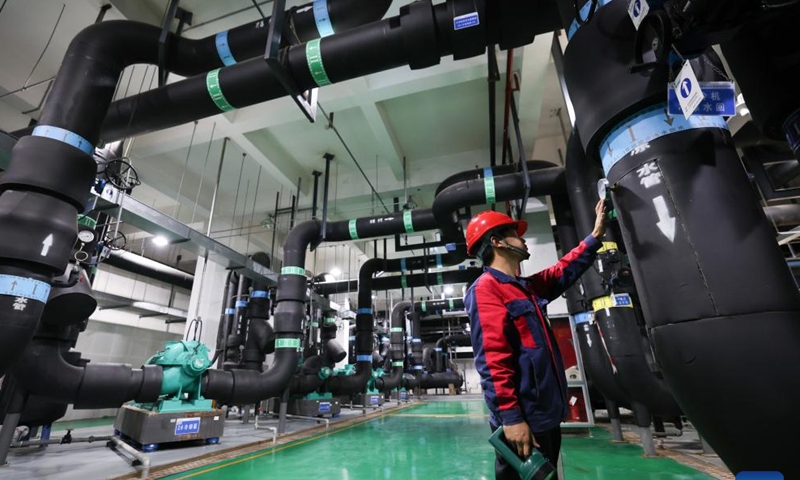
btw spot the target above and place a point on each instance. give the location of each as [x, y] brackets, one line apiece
[467, 275]
[439, 305]
[479, 173]
[440, 380]
[783, 215]
[133, 263]
[418, 37]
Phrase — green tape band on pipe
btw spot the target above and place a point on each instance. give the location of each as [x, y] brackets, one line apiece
[488, 185]
[407, 222]
[330, 321]
[87, 222]
[314, 325]
[215, 91]
[287, 343]
[397, 364]
[424, 307]
[293, 271]
[397, 330]
[353, 230]
[403, 281]
[315, 66]
[439, 278]
[452, 306]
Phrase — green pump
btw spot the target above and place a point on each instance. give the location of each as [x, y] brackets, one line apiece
[183, 363]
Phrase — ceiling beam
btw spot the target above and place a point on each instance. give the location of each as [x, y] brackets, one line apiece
[389, 147]
[535, 62]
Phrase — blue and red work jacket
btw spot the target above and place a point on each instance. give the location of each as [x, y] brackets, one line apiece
[516, 354]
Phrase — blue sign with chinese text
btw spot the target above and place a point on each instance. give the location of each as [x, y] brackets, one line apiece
[187, 426]
[466, 21]
[719, 99]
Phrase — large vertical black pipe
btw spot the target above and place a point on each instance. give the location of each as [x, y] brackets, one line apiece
[696, 237]
[260, 339]
[397, 341]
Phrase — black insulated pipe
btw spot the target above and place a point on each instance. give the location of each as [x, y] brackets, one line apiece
[248, 386]
[419, 37]
[146, 267]
[703, 309]
[449, 304]
[397, 342]
[260, 339]
[467, 275]
[43, 371]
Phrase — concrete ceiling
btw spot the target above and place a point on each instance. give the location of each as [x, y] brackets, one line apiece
[436, 118]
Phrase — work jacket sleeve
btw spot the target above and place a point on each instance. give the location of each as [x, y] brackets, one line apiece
[552, 282]
[494, 356]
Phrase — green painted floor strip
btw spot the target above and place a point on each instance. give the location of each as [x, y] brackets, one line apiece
[436, 440]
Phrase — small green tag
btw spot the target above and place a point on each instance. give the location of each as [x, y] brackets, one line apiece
[439, 278]
[488, 187]
[424, 306]
[452, 306]
[397, 364]
[287, 343]
[215, 91]
[315, 66]
[293, 271]
[403, 281]
[407, 222]
[353, 230]
[397, 329]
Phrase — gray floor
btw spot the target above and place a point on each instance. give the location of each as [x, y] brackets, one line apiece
[95, 461]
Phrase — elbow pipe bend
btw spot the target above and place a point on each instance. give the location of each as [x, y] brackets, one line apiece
[43, 371]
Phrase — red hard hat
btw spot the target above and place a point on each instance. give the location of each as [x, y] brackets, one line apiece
[484, 222]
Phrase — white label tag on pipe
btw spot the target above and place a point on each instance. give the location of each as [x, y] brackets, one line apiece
[637, 10]
[690, 95]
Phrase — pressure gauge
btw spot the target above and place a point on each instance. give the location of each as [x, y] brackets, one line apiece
[602, 186]
[86, 236]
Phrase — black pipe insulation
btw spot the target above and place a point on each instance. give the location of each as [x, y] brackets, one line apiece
[417, 359]
[334, 352]
[43, 371]
[133, 263]
[546, 181]
[449, 304]
[440, 380]
[226, 316]
[311, 377]
[479, 173]
[260, 339]
[247, 386]
[459, 339]
[398, 347]
[467, 275]
[418, 37]
[702, 309]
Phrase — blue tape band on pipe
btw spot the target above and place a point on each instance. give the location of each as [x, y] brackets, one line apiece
[438, 260]
[324, 25]
[230, 311]
[259, 294]
[224, 49]
[646, 126]
[363, 358]
[438, 349]
[416, 340]
[23, 288]
[584, 13]
[403, 265]
[65, 136]
[417, 367]
[352, 337]
[241, 304]
[364, 311]
[584, 317]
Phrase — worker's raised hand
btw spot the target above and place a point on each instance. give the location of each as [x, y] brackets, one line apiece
[600, 221]
[520, 438]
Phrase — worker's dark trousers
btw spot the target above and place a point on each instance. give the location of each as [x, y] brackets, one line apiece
[549, 445]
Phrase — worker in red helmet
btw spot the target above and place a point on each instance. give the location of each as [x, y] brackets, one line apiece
[516, 354]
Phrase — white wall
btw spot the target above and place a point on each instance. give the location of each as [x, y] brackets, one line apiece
[472, 380]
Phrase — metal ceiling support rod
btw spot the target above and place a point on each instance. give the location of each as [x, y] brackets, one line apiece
[328, 159]
[216, 185]
[316, 174]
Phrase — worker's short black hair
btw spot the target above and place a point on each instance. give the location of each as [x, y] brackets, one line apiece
[486, 251]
